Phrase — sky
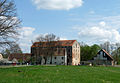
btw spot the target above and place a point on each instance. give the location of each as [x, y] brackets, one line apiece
[88, 21]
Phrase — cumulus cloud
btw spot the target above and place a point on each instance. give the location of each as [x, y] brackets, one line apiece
[26, 31]
[57, 4]
[63, 38]
[26, 35]
[98, 34]
[102, 23]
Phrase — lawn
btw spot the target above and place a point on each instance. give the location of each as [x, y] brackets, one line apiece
[60, 74]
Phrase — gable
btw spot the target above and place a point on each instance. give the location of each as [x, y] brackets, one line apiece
[104, 55]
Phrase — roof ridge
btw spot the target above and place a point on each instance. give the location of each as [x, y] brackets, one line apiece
[56, 41]
[64, 42]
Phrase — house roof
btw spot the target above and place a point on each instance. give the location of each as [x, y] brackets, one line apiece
[19, 56]
[54, 43]
[107, 54]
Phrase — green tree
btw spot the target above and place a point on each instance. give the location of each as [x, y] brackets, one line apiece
[94, 50]
[88, 52]
[116, 55]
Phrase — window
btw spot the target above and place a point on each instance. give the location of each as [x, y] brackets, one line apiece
[58, 51]
[40, 44]
[104, 54]
[55, 62]
[55, 49]
[62, 58]
[101, 53]
[69, 50]
[54, 57]
[47, 53]
[76, 45]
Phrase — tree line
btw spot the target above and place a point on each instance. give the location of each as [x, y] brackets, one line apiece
[88, 52]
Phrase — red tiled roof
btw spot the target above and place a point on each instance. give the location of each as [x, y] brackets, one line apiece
[19, 56]
[55, 43]
[108, 54]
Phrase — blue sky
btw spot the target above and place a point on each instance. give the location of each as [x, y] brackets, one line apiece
[89, 21]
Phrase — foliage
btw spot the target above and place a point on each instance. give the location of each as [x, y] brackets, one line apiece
[116, 55]
[88, 52]
[60, 74]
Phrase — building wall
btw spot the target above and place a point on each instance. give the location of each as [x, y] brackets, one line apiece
[57, 60]
[58, 56]
[101, 59]
[75, 53]
[21, 57]
[101, 56]
[102, 62]
[1, 57]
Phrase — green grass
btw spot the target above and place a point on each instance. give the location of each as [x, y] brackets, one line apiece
[60, 74]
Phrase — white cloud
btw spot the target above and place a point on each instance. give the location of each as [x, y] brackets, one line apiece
[63, 38]
[102, 23]
[98, 29]
[26, 35]
[95, 32]
[57, 4]
[98, 33]
[26, 31]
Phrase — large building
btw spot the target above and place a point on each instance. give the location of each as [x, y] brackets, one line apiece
[62, 52]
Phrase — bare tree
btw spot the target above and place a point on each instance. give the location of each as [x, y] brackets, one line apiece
[9, 23]
[106, 46]
[14, 48]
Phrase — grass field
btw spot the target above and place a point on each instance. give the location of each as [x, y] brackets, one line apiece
[60, 74]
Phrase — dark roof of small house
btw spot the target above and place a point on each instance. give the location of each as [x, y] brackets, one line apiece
[107, 53]
[19, 56]
[55, 43]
